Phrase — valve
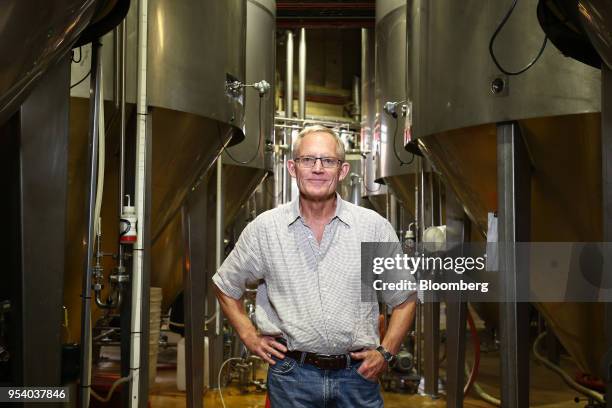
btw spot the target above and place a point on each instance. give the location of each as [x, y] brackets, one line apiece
[233, 87]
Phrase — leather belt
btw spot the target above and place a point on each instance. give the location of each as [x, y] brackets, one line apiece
[321, 361]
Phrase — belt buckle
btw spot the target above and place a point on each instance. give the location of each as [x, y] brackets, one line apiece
[326, 361]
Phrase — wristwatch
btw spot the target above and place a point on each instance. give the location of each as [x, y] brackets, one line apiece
[386, 354]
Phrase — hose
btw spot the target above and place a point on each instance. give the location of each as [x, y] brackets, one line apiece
[210, 319]
[494, 36]
[219, 378]
[101, 157]
[112, 389]
[482, 394]
[102, 335]
[476, 342]
[568, 380]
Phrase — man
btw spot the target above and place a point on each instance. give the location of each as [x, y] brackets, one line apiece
[320, 339]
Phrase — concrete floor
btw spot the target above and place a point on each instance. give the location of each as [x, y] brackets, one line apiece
[547, 390]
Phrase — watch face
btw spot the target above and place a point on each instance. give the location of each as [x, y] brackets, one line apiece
[386, 355]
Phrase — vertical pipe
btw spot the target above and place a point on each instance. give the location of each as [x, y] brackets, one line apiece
[419, 309]
[279, 171]
[289, 77]
[388, 206]
[94, 128]
[219, 236]
[421, 185]
[302, 75]
[139, 203]
[356, 181]
[122, 76]
[125, 306]
[117, 67]
[285, 152]
[432, 201]
[122, 31]
[393, 206]
[356, 98]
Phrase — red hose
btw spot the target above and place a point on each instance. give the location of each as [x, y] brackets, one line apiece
[591, 382]
[476, 343]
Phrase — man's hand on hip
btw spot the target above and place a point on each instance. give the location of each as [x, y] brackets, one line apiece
[373, 363]
[264, 347]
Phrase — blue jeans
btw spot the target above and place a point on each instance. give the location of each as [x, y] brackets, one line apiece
[295, 385]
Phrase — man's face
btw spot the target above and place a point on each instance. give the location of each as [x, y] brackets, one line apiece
[318, 182]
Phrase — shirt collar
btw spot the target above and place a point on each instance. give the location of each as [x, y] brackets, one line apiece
[342, 212]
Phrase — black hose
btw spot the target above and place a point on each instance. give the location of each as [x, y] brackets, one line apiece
[494, 36]
[258, 142]
[397, 156]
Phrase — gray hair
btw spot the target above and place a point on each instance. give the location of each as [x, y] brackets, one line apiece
[318, 129]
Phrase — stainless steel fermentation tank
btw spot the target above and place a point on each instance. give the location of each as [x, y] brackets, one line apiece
[391, 86]
[246, 164]
[34, 37]
[373, 193]
[459, 96]
[194, 48]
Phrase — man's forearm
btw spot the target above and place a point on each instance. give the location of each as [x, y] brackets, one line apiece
[401, 320]
[234, 311]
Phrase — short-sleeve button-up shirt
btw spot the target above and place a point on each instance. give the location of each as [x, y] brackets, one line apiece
[310, 292]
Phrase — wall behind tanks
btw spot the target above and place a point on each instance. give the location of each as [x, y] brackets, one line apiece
[333, 59]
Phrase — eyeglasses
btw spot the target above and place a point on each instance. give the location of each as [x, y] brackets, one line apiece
[326, 162]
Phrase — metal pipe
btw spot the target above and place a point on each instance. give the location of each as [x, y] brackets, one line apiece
[422, 225]
[106, 333]
[139, 203]
[417, 237]
[302, 75]
[122, 123]
[94, 128]
[219, 249]
[289, 76]
[393, 212]
[432, 201]
[418, 339]
[440, 203]
[357, 98]
[355, 188]
[116, 66]
[110, 304]
[343, 123]
[285, 176]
